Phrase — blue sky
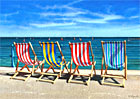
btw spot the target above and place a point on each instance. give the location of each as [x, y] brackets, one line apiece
[70, 18]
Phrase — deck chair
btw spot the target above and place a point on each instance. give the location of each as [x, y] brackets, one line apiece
[49, 54]
[23, 54]
[80, 57]
[114, 57]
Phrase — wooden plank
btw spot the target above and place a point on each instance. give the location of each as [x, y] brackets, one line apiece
[49, 74]
[112, 84]
[79, 82]
[46, 80]
[80, 75]
[113, 76]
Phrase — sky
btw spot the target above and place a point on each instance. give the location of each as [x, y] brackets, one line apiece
[70, 18]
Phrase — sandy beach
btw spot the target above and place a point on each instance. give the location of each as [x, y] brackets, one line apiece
[17, 89]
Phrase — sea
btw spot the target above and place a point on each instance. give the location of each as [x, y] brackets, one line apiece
[8, 56]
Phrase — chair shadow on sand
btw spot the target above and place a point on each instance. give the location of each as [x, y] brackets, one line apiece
[65, 76]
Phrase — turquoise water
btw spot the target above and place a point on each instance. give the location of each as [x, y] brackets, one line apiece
[9, 59]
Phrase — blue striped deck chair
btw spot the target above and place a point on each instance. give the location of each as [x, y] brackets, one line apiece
[49, 54]
[114, 57]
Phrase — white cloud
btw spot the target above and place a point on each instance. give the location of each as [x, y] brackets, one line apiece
[131, 9]
[62, 14]
[74, 2]
[87, 20]
[10, 14]
[103, 18]
[113, 17]
[23, 27]
[51, 24]
[50, 7]
[5, 21]
[108, 16]
[66, 6]
[72, 31]
[77, 12]
[134, 17]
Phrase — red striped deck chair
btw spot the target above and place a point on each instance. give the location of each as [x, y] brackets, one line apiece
[80, 57]
[23, 54]
[50, 56]
[114, 57]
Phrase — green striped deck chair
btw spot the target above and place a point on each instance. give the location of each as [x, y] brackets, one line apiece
[49, 54]
[114, 57]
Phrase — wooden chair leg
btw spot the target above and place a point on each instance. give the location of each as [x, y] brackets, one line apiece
[89, 78]
[40, 77]
[42, 72]
[104, 74]
[105, 70]
[33, 69]
[56, 78]
[103, 80]
[14, 75]
[71, 66]
[92, 68]
[52, 69]
[17, 72]
[123, 82]
[48, 69]
[42, 67]
[72, 74]
[45, 73]
[102, 66]
[23, 67]
[62, 71]
[70, 78]
[94, 71]
[66, 66]
[91, 75]
[78, 71]
[125, 68]
[27, 77]
[28, 68]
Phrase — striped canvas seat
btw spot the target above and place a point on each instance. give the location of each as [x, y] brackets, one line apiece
[80, 53]
[23, 54]
[114, 54]
[49, 53]
[80, 57]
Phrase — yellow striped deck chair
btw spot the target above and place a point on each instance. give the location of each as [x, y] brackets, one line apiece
[49, 54]
[114, 57]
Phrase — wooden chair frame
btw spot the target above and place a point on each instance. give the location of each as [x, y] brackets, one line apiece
[124, 77]
[76, 69]
[57, 74]
[30, 72]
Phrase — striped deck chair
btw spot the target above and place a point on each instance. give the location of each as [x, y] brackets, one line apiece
[49, 54]
[80, 57]
[23, 54]
[114, 56]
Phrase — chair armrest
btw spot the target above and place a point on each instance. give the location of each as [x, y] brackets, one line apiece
[35, 58]
[94, 63]
[42, 62]
[62, 57]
